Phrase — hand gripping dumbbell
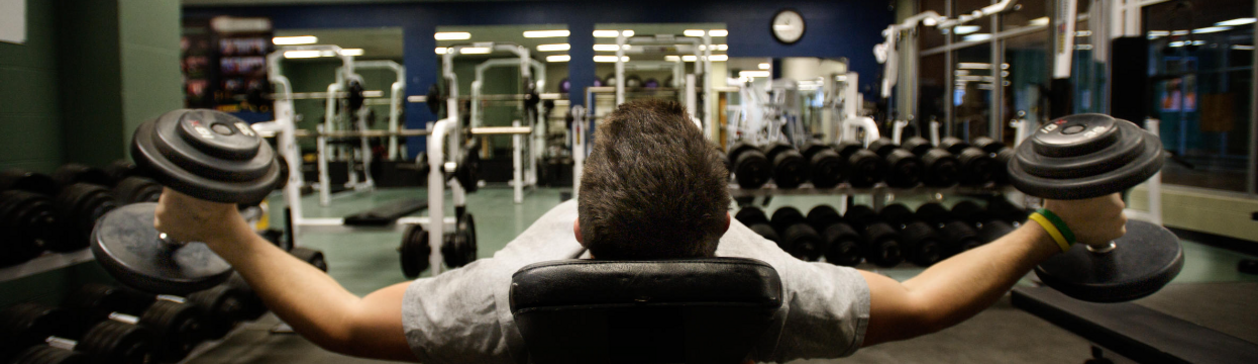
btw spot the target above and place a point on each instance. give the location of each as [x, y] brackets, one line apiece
[988, 225]
[205, 154]
[941, 168]
[977, 165]
[755, 219]
[797, 237]
[866, 168]
[174, 322]
[825, 168]
[26, 327]
[904, 168]
[789, 168]
[881, 241]
[919, 241]
[750, 166]
[956, 235]
[1001, 153]
[1093, 155]
[842, 241]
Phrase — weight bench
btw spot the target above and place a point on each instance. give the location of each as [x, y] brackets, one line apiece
[1134, 331]
[387, 214]
[711, 310]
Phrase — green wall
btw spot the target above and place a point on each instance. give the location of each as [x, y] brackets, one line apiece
[30, 112]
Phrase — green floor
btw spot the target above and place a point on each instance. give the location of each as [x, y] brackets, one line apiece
[364, 261]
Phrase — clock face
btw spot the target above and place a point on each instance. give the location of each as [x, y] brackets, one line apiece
[788, 26]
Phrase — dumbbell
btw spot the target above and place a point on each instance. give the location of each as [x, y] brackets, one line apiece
[136, 189]
[881, 241]
[72, 173]
[119, 170]
[789, 168]
[957, 236]
[1001, 153]
[79, 206]
[1001, 208]
[920, 242]
[825, 168]
[26, 327]
[204, 154]
[751, 167]
[866, 168]
[414, 251]
[32, 226]
[312, 256]
[1094, 155]
[797, 237]
[842, 241]
[988, 225]
[221, 307]
[977, 165]
[904, 168]
[941, 168]
[252, 306]
[174, 322]
[459, 248]
[755, 219]
[17, 179]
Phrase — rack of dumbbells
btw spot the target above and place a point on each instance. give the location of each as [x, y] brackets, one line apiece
[99, 323]
[881, 234]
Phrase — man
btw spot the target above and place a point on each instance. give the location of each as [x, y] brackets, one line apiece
[653, 188]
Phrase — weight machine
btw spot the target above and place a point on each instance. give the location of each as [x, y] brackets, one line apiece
[702, 47]
[524, 169]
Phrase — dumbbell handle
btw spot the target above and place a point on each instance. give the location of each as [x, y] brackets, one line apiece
[61, 343]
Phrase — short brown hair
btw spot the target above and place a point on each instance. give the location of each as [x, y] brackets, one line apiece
[653, 187]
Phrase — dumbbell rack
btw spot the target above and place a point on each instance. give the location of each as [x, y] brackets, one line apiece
[47, 262]
[879, 190]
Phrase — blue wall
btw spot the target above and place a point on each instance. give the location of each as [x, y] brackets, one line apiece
[845, 28]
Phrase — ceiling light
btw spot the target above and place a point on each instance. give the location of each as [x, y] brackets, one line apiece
[672, 58]
[1210, 30]
[474, 50]
[1235, 22]
[977, 37]
[553, 47]
[1243, 47]
[973, 65]
[753, 74]
[545, 33]
[611, 33]
[558, 58]
[719, 58]
[764, 66]
[1043, 20]
[1083, 33]
[352, 52]
[693, 32]
[718, 32]
[295, 40]
[608, 47]
[688, 58]
[302, 54]
[452, 36]
[610, 59]
[965, 29]
[442, 50]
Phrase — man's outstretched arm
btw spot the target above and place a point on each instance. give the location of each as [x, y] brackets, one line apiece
[310, 301]
[960, 287]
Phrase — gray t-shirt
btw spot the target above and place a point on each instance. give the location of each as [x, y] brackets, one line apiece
[464, 315]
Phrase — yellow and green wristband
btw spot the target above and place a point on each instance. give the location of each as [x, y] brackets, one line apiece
[1056, 228]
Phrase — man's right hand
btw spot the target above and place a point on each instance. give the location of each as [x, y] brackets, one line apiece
[186, 218]
[1095, 220]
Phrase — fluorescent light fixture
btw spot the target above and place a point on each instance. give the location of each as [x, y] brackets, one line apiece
[764, 66]
[295, 40]
[973, 65]
[688, 58]
[672, 58]
[609, 59]
[546, 33]
[558, 58]
[1243, 47]
[452, 36]
[977, 37]
[693, 32]
[1179, 32]
[965, 29]
[930, 22]
[1043, 20]
[715, 47]
[1235, 22]
[352, 52]
[1210, 30]
[474, 50]
[607, 47]
[553, 47]
[611, 33]
[442, 50]
[719, 58]
[1083, 33]
[718, 33]
[1083, 47]
[1181, 44]
[962, 73]
[302, 54]
[753, 74]
[1155, 34]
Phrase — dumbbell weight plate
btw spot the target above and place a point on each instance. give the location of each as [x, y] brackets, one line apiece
[751, 168]
[72, 173]
[1084, 156]
[115, 342]
[1137, 267]
[137, 189]
[314, 257]
[764, 230]
[460, 247]
[31, 222]
[206, 154]
[253, 307]
[222, 308]
[176, 329]
[79, 206]
[42, 354]
[120, 169]
[415, 251]
[16, 179]
[27, 324]
[127, 246]
[844, 245]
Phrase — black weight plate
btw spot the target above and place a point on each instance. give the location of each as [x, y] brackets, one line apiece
[415, 251]
[789, 167]
[120, 169]
[825, 168]
[128, 247]
[766, 231]
[942, 168]
[867, 168]
[314, 257]
[751, 215]
[32, 225]
[1148, 163]
[16, 179]
[1127, 146]
[222, 307]
[103, 299]
[137, 189]
[822, 216]
[176, 329]
[79, 206]
[43, 354]
[1145, 259]
[786, 216]
[752, 169]
[28, 323]
[169, 160]
[115, 342]
[905, 169]
[844, 245]
[72, 173]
